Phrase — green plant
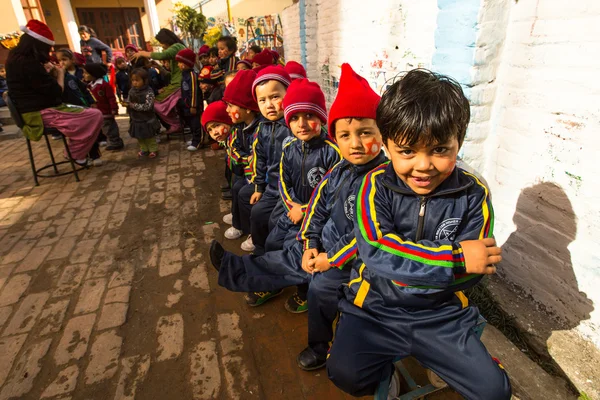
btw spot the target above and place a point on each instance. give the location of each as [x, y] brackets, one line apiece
[192, 23]
[583, 396]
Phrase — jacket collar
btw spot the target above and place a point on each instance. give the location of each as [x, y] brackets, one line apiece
[456, 182]
[380, 159]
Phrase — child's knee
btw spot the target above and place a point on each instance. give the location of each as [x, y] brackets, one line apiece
[346, 375]
[495, 387]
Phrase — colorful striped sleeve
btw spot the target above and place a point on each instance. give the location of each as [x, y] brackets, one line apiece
[286, 189]
[258, 166]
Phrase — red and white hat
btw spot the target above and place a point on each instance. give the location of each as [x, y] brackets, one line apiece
[203, 51]
[265, 57]
[216, 112]
[186, 56]
[39, 30]
[238, 90]
[296, 70]
[355, 98]
[271, 73]
[304, 96]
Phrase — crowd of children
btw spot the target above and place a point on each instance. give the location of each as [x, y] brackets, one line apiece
[363, 209]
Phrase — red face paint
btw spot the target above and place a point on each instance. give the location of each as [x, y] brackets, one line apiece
[314, 126]
[236, 115]
[373, 147]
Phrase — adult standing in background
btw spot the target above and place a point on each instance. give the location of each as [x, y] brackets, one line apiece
[92, 47]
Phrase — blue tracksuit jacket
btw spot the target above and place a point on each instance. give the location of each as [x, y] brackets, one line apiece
[267, 148]
[409, 244]
[239, 147]
[329, 221]
[191, 95]
[302, 166]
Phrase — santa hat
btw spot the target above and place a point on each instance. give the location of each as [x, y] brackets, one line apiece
[239, 91]
[187, 57]
[247, 63]
[203, 51]
[271, 73]
[131, 47]
[355, 98]
[97, 70]
[296, 70]
[216, 112]
[263, 58]
[205, 75]
[39, 30]
[79, 58]
[304, 96]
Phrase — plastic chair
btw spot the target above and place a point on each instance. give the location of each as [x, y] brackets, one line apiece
[16, 116]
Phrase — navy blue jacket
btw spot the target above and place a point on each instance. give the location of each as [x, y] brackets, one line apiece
[123, 85]
[76, 92]
[267, 147]
[329, 221]
[410, 244]
[302, 166]
[155, 81]
[191, 95]
[239, 147]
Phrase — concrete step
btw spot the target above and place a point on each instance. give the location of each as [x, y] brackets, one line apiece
[5, 117]
[10, 132]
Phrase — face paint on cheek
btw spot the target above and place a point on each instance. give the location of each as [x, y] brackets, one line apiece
[450, 169]
[314, 126]
[373, 147]
[225, 130]
[236, 115]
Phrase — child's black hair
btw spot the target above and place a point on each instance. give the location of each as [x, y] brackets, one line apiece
[230, 42]
[67, 52]
[140, 62]
[213, 52]
[168, 37]
[423, 107]
[255, 48]
[87, 29]
[142, 73]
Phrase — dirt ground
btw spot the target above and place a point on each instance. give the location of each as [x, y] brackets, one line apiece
[106, 290]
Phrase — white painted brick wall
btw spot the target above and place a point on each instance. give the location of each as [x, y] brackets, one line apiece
[290, 21]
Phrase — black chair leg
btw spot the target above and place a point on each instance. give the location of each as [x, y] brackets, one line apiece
[51, 154]
[70, 158]
[35, 178]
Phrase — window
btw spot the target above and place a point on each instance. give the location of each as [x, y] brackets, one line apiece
[33, 10]
[117, 27]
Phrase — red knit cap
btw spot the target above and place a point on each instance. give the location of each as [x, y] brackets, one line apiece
[296, 70]
[263, 58]
[203, 51]
[355, 98]
[271, 73]
[247, 63]
[79, 58]
[275, 56]
[304, 96]
[239, 90]
[39, 30]
[132, 47]
[187, 57]
[216, 112]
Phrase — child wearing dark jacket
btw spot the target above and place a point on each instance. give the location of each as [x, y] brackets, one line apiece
[106, 102]
[190, 104]
[122, 78]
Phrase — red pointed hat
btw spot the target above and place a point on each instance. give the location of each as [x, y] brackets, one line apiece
[304, 96]
[187, 57]
[265, 57]
[204, 50]
[239, 90]
[296, 70]
[355, 98]
[39, 30]
[271, 73]
[216, 112]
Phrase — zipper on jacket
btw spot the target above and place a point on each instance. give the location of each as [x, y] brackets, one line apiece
[421, 223]
[303, 161]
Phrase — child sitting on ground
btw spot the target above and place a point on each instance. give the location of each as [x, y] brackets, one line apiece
[143, 123]
[105, 101]
[191, 104]
[326, 236]
[424, 233]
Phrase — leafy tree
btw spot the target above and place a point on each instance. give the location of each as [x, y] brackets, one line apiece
[192, 23]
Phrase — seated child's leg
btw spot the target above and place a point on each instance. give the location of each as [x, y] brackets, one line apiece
[362, 353]
[269, 272]
[240, 205]
[279, 232]
[259, 220]
[448, 346]
[277, 212]
[323, 307]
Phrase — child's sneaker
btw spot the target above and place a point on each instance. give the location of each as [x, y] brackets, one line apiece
[56, 136]
[296, 305]
[308, 360]
[228, 219]
[103, 143]
[395, 385]
[255, 299]
[247, 244]
[188, 143]
[153, 154]
[142, 153]
[227, 195]
[233, 233]
[96, 162]
[191, 147]
[225, 187]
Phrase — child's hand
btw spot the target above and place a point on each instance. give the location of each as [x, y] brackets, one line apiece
[321, 263]
[161, 90]
[255, 197]
[296, 215]
[193, 110]
[481, 255]
[308, 260]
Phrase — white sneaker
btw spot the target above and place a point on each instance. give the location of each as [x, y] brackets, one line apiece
[188, 143]
[233, 233]
[94, 163]
[228, 219]
[192, 148]
[103, 144]
[247, 245]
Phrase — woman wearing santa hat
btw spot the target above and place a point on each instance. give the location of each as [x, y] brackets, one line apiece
[38, 96]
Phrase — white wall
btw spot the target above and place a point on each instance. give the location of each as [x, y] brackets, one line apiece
[240, 8]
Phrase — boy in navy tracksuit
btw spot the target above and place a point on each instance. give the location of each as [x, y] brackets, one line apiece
[326, 237]
[424, 233]
[269, 89]
[190, 104]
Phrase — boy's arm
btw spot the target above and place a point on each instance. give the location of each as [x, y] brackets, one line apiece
[194, 88]
[286, 188]
[316, 216]
[424, 264]
[259, 162]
